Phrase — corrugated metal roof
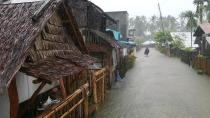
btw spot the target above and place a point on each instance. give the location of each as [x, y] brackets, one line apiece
[202, 29]
[206, 28]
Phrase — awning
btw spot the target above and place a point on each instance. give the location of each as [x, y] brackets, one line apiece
[117, 35]
[131, 43]
[51, 69]
[106, 38]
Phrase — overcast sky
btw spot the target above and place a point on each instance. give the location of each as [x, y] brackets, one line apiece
[146, 7]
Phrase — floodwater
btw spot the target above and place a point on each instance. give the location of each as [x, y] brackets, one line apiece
[158, 87]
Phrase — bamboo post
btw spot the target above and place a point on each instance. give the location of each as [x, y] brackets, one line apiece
[103, 87]
[63, 91]
[13, 98]
[85, 102]
[94, 88]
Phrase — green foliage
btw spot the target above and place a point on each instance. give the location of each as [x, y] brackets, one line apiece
[191, 19]
[148, 26]
[131, 61]
[139, 23]
[127, 63]
[189, 49]
[201, 56]
[200, 72]
[139, 40]
[199, 9]
[178, 43]
[163, 37]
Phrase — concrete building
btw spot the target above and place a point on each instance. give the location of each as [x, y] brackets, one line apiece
[122, 17]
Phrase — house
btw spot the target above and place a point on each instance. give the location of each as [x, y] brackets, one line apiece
[122, 18]
[186, 37]
[202, 34]
[128, 36]
[92, 22]
[43, 61]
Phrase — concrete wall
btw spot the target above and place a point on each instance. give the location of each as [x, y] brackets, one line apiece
[125, 52]
[123, 18]
[87, 15]
[114, 57]
[4, 105]
[26, 88]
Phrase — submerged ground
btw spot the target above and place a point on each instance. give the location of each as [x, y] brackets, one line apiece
[158, 87]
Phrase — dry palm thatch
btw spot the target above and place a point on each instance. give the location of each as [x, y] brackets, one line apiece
[43, 37]
[18, 32]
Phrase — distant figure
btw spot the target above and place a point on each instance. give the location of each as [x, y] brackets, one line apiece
[146, 52]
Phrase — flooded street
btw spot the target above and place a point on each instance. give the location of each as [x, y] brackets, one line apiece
[158, 87]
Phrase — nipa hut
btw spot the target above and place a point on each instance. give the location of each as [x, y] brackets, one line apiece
[43, 63]
[202, 34]
[92, 22]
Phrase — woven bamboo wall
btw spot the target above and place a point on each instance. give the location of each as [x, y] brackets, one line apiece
[79, 9]
[54, 40]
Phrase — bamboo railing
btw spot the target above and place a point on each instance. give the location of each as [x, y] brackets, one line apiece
[202, 63]
[64, 109]
[98, 83]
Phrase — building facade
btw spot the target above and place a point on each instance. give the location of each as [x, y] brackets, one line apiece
[122, 17]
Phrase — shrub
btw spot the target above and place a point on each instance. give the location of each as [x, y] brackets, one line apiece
[188, 49]
[163, 37]
[178, 43]
[131, 61]
[200, 56]
[200, 72]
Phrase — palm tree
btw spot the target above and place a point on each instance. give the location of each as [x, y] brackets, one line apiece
[207, 10]
[191, 21]
[199, 9]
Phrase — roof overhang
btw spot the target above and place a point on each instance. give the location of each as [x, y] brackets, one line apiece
[52, 69]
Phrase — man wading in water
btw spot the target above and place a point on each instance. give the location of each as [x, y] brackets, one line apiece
[146, 52]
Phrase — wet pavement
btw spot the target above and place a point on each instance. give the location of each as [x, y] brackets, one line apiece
[158, 87]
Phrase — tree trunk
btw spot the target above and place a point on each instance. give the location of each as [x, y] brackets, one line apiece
[191, 33]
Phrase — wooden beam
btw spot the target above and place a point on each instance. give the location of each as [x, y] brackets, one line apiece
[40, 11]
[35, 94]
[13, 98]
[75, 29]
[33, 97]
[63, 90]
[85, 103]
[94, 88]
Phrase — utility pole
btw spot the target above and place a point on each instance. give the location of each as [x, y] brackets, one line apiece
[191, 28]
[161, 18]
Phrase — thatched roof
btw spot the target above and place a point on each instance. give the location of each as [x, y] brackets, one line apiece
[89, 15]
[18, 32]
[58, 67]
[27, 31]
[51, 69]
